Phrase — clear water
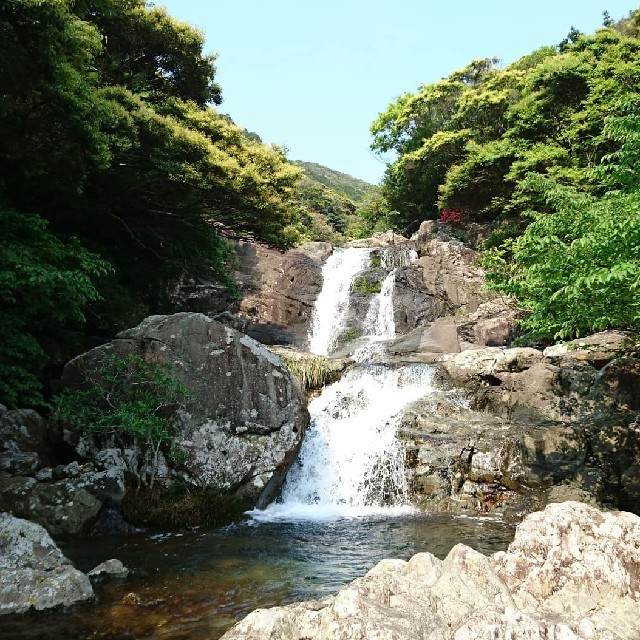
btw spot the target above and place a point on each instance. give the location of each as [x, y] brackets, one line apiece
[196, 585]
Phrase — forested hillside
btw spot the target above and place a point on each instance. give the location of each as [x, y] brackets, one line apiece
[119, 177]
[331, 205]
[341, 183]
[545, 153]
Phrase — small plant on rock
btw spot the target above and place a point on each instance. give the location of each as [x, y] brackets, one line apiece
[128, 400]
[364, 286]
[312, 373]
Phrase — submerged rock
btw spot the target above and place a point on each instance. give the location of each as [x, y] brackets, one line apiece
[33, 571]
[244, 426]
[571, 573]
[108, 569]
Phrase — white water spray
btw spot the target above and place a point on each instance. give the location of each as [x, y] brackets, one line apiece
[351, 463]
[333, 302]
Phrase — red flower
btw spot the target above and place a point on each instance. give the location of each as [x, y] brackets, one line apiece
[450, 215]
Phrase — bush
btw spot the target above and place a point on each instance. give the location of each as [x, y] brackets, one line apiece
[365, 286]
[575, 271]
[46, 285]
[127, 399]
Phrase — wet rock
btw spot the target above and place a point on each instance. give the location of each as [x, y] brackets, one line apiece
[245, 425]
[107, 570]
[33, 571]
[534, 429]
[381, 239]
[277, 292]
[571, 572]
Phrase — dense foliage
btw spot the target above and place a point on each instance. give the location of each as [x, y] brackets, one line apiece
[468, 141]
[331, 206]
[544, 152]
[117, 175]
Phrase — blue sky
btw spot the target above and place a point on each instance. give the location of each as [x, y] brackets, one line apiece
[313, 75]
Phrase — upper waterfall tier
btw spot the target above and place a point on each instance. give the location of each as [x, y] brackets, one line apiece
[333, 302]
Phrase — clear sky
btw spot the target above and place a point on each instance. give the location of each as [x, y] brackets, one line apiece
[312, 75]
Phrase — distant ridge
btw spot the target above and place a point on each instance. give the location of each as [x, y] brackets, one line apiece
[344, 184]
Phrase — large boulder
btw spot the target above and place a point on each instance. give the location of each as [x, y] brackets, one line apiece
[244, 426]
[512, 429]
[33, 571]
[571, 573]
[63, 507]
[24, 443]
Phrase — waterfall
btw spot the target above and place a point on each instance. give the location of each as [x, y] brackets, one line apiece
[379, 324]
[351, 463]
[333, 302]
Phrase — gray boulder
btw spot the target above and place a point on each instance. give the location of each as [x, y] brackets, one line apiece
[108, 569]
[33, 571]
[571, 573]
[24, 445]
[245, 424]
[63, 507]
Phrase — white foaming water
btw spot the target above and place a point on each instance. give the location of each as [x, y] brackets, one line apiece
[379, 323]
[351, 463]
[333, 302]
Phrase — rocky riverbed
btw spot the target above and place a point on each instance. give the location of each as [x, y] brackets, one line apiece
[571, 573]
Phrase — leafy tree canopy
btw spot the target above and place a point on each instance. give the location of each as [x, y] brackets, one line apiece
[115, 157]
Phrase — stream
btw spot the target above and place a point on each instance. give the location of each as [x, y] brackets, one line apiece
[195, 585]
[344, 507]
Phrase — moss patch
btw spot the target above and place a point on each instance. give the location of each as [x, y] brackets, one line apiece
[364, 286]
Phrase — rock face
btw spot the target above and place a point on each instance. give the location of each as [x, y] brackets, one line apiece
[62, 507]
[277, 292]
[571, 573]
[525, 428]
[245, 424]
[24, 446]
[33, 571]
[441, 304]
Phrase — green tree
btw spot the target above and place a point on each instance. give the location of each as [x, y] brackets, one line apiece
[109, 136]
[577, 270]
[45, 287]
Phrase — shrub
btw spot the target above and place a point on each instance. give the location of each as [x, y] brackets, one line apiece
[312, 373]
[130, 400]
[364, 286]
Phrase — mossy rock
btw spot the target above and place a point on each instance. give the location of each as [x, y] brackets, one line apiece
[182, 507]
[365, 286]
